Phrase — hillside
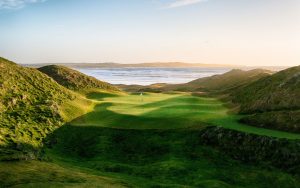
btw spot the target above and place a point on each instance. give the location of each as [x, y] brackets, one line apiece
[74, 80]
[31, 107]
[217, 83]
[273, 101]
[229, 80]
[275, 92]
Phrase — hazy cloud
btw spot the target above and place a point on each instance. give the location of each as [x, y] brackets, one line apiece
[16, 4]
[180, 3]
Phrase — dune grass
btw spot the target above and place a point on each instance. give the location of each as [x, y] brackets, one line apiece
[165, 111]
[75, 80]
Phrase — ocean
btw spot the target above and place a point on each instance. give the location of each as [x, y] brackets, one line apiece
[147, 76]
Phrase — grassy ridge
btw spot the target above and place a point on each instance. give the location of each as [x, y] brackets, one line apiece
[32, 105]
[273, 101]
[30, 108]
[276, 92]
[229, 80]
[75, 80]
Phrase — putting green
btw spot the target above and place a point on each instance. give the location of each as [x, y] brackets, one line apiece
[165, 111]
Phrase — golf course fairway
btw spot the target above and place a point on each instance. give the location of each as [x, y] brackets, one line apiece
[166, 111]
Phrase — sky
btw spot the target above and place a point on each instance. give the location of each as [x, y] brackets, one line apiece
[237, 32]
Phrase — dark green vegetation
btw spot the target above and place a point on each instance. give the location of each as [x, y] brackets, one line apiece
[252, 148]
[159, 158]
[113, 139]
[75, 80]
[89, 156]
[273, 101]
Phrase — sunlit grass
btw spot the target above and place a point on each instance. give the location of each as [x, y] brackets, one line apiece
[165, 111]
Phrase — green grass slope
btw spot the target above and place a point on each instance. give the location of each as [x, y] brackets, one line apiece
[75, 80]
[31, 107]
[273, 101]
[229, 80]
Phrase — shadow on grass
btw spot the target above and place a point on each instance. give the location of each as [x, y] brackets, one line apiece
[175, 112]
[103, 117]
[131, 147]
[171, 157]
[100, 95]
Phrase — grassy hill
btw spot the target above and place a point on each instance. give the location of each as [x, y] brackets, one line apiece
[273, 101]
[229, 80]
[32, 105]
[75, 80]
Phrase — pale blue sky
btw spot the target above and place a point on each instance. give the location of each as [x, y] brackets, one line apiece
[246, 32]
